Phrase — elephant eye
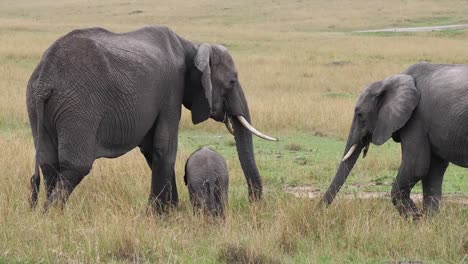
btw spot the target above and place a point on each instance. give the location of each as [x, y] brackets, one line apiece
[232, 83]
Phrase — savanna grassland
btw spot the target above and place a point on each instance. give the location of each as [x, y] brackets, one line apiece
[302, 69]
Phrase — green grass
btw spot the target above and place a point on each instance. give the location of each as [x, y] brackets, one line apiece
[437, 20]
[303, 159]
[301, 72]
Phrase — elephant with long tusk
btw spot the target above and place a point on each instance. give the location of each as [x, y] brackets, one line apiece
[96, 94]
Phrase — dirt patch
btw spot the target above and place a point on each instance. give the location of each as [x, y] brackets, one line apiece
[416, 29]
[312, 192]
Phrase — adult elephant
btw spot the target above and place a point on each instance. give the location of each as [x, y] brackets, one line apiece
[426, 109]
[96, 94]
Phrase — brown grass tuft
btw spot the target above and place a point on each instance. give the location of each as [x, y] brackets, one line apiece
[235, 253]
[293, 147]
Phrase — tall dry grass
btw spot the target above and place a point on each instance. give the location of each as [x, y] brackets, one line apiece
[106, 221]
[285, 51]
[301, 70]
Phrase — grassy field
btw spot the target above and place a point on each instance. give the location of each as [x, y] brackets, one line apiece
[302, 69]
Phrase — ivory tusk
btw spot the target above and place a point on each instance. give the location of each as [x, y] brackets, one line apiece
[350, 152]
[254, 131]
[227, 122]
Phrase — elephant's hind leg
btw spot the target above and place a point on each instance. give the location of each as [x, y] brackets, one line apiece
[432, 185]
[68, 180]
[76, 157]
[414, 166]
[50, 172]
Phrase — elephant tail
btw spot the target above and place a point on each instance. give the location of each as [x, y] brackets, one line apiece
[36, 179]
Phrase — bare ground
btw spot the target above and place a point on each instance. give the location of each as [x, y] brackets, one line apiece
[312, 192]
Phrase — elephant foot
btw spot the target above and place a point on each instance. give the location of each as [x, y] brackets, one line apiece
[255, 193]
[58, 198]
[431, 204]
[405, 205]
[413, 215]
[409, 211]
[160, 206]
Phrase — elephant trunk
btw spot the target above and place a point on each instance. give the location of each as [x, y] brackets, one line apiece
[237, 106]
[246, 155]
[353, 148]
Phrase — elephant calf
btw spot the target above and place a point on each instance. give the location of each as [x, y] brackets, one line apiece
[207, 179]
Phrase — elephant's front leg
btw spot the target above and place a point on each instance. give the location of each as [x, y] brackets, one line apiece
[163, 183]
[414, 166]
[401, 191]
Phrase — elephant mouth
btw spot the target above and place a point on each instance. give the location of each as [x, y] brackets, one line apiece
[228, 123]
[220, 114]
[363, 141]
[220, 117]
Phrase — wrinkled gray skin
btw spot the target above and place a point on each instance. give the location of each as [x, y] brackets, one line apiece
[207, 180]
[100, 94]
[426, 109]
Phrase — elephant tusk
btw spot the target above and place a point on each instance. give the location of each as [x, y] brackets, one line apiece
[350, 152]
[227, 122]
[254, 131]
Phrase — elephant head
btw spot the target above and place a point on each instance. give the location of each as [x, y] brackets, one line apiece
[216, 92]
[381, 110]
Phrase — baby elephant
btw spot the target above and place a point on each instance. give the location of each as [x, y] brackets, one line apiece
[207, 179]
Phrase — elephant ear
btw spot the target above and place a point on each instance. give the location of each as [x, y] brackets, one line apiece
[397, 99]
[201, 107]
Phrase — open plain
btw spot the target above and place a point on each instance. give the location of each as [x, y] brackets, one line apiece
[302, 67]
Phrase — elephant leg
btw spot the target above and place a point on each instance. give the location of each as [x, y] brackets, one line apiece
[414, 166]
[148, 158]
[146, 147]
[76, 157]
[432, 185]
[50, 173]
[401, 194]
[68, 180]
[163, 183]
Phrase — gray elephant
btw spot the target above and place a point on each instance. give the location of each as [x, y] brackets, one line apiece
[426, 109]
[97, 94]
[207, 180]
